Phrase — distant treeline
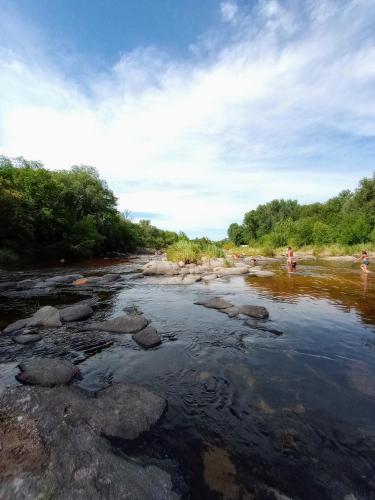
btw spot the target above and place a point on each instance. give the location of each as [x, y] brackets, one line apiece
[346, 219]
[48, 214]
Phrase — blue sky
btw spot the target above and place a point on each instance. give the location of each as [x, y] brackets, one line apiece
[193, 111]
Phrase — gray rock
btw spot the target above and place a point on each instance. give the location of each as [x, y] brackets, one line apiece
[47, 372]
[54, 439]
[127, 323]
[261, 273]
[6, 285]
[232, 271]
[215, 303]
[254, 311]
[231, 311]
[109, 278]
[26, 284]
[160, 267]
[209, 277]
[190, 279]
[45, 316]
[17, 325]
[148, 337]
[63, 280]
[27, 338]
[76, 312]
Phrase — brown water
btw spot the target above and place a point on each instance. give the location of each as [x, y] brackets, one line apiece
[250, 414]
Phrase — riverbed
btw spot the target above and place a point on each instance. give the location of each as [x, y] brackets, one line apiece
[283, 406]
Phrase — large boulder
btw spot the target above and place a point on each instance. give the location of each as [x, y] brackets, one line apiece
[47, 372]
[17, 325]
[48, 435]
[148, 337]
[127, 323]
[45, 316]
[160, 267]
[76, 312]
[215, 303]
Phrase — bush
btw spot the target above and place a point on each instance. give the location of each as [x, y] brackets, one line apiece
[192, 252]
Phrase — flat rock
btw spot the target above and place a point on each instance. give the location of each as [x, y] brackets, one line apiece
[127, 323]
[259, 312]
[63, 280]
[46, 372]
[209, 277]
[51, 446]
[215, 303]
[27, 338]
[17, 325]
[148, 337]
[261, 273]
[76, 312]
[45, 316]
[231, 311]
[232, 271]
[189, 279]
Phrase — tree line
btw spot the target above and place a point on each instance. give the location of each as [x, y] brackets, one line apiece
[65, 213]
[346, 219]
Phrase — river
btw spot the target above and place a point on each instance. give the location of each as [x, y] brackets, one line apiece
[250, 414]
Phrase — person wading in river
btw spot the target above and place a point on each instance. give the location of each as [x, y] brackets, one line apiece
[365, 262]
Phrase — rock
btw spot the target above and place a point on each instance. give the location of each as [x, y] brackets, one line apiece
[338, 258]
[76, 312]
[232, 271]
[132, 277]
[215, 303]
[46, 372]
[261, 273]
[26, 284]
[127, 323]
[6, 285]
[27, 338]
[148, 337]
[80, 282]
[175, 280]
[231, 311]
[59, 440]
[17, 325]
[253, 324]
[199, 269]
[209, 277]
[160, 267]
[63, 280]
[126, 411]
[45, 316]
[254, 311]
[190, 279]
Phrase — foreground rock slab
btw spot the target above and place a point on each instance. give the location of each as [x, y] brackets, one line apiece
[215, 303]
[148, 337]
[60, 451]
[47, 372]
[127, 323]
[47, 316]
[76, 312]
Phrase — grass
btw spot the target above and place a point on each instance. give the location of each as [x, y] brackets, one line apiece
[328, 250]
[191, 252]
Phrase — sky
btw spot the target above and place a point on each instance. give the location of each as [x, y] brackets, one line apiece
[193, 111]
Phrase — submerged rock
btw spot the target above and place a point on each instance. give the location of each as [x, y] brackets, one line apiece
[127, 323]
[63, 280]
[215, 303]
[76, 312]
[261, 273]
[148, 337]
[27, 338]
[53, 444]
[254, 311]
[47, 372]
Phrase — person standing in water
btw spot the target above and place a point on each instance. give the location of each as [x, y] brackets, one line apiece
[291, 264]
[365, 261]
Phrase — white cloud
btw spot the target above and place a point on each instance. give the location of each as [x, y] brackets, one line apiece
[284, 107]
[228, 11]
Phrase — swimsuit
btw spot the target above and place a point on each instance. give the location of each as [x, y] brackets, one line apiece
[366, 262]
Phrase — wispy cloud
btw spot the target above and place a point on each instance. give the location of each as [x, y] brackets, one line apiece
[281, 105]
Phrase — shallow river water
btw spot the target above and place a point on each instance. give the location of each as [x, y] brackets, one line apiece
[251, 414]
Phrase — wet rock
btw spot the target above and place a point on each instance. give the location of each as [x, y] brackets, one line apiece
[285, 440]
[26, 284]
[160, 267]
[17, 325]
[45, 316]
[231, 311]
[256, 326]
[260, 273]
[27, 338]
[209, 277]
[232, 271]
[6, 285]
[338, 258]
[76, 312]
[127, 323]
[254, 311]
[215, 303]
[199, 269]
[80, 282]
[63, 280]
[65, 443]
[126, 411]
[47, 372]
[190, 279]
[187, 279]
[132, 277]
[148, 337]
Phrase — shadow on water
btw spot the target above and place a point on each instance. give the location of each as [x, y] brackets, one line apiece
[250, 414]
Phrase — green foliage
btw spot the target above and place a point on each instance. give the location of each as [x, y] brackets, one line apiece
[193, 251]
[347, 219]
[54, 214]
